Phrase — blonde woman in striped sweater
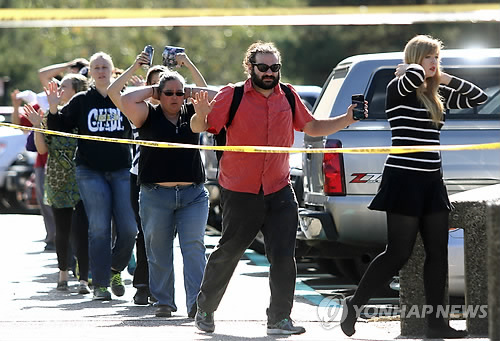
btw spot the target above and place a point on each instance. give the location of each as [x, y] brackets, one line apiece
[412, 191]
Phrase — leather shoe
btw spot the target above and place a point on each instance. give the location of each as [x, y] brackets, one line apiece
[163, 311]
[204, 321]
[141, 296]
[192, 312]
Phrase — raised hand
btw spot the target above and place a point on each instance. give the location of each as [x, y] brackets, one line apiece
[53, 96]
[137, 81]
[16, 102]
[182, 59]
[141, 59]
[444, 78]
[35, 117]
[401, 69]
[350, 114]
[201, 104]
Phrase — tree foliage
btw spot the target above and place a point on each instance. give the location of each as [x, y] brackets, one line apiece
[309, 52]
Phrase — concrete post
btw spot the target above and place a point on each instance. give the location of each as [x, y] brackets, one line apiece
[412, 294]
[493, 232]
[469, 213]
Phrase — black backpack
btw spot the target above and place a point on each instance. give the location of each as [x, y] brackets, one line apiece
[220, 138]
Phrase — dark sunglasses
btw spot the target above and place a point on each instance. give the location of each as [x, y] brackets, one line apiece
[171, 93]
[264, 67]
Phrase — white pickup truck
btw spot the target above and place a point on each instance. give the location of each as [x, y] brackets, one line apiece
[335, 223]
[16, 168]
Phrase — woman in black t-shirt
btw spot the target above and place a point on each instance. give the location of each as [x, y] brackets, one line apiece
[102, 174]
[172, 199]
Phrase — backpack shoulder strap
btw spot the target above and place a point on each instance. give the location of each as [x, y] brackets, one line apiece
[220, 138]
[235, 103]
[289, 96]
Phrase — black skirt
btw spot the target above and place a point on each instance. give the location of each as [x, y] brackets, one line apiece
[411, 193]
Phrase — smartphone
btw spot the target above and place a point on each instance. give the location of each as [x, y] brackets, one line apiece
[358, 112]
[168, 55]
[150, 51]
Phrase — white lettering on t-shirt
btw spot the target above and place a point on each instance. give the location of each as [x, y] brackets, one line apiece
[92, 120]
[107, 119]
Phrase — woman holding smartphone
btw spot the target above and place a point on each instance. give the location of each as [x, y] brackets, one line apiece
[173, 199]
[115, 91]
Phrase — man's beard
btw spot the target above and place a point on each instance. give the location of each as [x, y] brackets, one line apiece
[259, 82]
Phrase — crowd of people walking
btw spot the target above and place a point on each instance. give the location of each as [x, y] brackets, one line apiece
[105, 198]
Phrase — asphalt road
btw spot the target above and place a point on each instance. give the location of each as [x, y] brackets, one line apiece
[32, 309]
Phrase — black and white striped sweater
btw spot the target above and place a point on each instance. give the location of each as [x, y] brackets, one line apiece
[411, 124]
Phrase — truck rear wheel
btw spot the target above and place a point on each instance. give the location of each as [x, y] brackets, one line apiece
[354, 268]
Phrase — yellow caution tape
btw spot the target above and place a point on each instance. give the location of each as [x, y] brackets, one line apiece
[266, 149]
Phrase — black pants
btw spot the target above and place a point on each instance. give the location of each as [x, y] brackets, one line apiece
[141, 272]
[401, 234]
[243, 216]
[72, 227]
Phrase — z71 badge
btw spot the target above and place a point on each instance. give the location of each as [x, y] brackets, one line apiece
[363, 178]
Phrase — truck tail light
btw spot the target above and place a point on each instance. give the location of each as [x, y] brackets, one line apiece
[333, 170]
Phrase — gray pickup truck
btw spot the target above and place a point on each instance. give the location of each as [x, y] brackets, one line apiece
[335, 224]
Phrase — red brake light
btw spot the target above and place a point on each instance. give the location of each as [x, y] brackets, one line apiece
[333, 170]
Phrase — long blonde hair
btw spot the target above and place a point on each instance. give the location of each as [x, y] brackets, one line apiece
[415, 51]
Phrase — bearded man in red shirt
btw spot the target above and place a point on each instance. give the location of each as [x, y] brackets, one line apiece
[256, 191]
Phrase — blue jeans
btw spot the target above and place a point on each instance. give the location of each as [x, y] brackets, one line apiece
[166, 211]
[106, 195]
